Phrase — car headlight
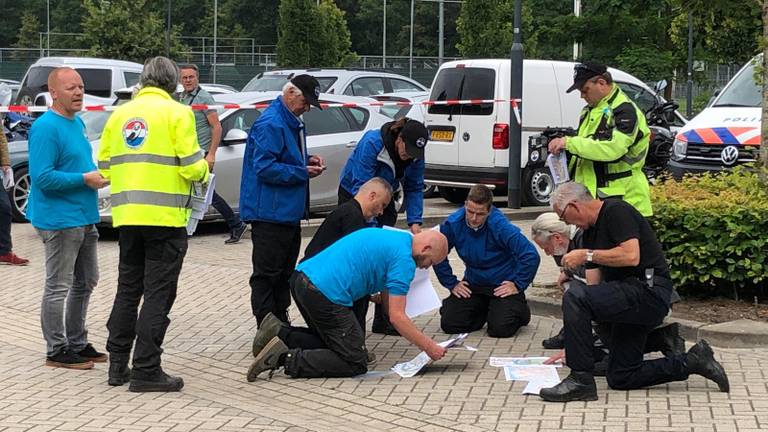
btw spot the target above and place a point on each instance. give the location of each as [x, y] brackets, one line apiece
[679, 149]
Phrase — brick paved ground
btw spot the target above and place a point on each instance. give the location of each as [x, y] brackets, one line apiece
[209, 345]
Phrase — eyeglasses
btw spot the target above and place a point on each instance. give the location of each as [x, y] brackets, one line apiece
[565, 208]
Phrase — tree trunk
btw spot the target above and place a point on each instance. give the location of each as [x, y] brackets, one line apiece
[764, 125]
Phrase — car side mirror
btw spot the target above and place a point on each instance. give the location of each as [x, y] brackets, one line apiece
[235, 136]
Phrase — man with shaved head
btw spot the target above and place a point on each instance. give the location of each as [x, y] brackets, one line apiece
[63, 209]
[325, 287]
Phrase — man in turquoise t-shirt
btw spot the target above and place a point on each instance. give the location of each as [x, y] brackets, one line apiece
[325, 286]
[63, 209]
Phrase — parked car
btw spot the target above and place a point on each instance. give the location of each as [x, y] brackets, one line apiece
[414, 111]
[727, 132]
[215, 89]
[14, 86]
[469, 143]
[100, 76]
[350, 82]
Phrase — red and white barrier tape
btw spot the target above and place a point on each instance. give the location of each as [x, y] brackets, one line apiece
[515, 108]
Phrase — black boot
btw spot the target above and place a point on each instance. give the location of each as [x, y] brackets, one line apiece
[119, 372]
[671, 341]
[155, 382]
[555, 342]
[381, 323]
[701, 361]
[578, 386]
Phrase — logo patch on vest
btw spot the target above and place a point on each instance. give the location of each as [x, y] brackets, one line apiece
[134, 133]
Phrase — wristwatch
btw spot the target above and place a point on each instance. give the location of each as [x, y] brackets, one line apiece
[590, 254]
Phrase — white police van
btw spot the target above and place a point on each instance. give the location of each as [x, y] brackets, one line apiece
[469, 144]
[726, 133]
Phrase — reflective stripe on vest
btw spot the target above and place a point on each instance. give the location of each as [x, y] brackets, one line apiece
[150, 158]
[151, 198]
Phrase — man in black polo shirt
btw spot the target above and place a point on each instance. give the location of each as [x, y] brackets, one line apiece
[369, 202]
[628, 289]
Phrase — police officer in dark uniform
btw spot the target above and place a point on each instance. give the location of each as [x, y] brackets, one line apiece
[628, 289]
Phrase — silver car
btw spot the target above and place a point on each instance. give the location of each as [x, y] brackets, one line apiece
[331, 133]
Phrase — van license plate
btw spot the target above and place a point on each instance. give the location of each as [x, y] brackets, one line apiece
[441, 135]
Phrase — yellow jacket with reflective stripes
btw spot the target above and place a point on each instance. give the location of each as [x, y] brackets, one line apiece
[149, 152]
[608, 153]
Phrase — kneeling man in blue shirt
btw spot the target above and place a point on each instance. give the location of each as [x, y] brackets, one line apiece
[325, 286]
[500, 264]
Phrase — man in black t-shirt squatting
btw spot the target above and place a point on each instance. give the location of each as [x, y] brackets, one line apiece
[628, 289]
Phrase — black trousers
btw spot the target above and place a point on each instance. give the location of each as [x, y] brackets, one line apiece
[333, 344]
[6, 246]
[628, 310]
[221, 206]
[150, 263]
[275, 251]
[504, 315]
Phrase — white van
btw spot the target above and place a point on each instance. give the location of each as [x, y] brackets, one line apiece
[469, 143]
[727, 132]
[101, 77]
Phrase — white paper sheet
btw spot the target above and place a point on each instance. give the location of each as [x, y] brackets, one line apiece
[517, 361]
[411, 368]
[538, 376]
[201, 198]
[7, 177]
[558, 166]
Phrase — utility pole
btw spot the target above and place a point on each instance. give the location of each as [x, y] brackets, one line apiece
[168, 30]
[384, 37]
[410, 49]
[48, 27]
[441, 33]
[515, 128]
[576, 45]
[215, 35]
[689, 86]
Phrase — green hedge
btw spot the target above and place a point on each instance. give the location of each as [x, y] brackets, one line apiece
[714, 230]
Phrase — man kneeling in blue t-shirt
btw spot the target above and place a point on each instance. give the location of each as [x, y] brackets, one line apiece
[325, 286]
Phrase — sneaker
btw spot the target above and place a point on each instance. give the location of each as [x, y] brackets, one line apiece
[236, 234]
[269, 328]
[161, 382]
[89, 353]
[268, 359]
[68, 360]
[12, 259]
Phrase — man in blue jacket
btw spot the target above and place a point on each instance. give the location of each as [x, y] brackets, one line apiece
[274, 193]
[500, 264]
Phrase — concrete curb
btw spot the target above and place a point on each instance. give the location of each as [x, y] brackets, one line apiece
[732, 334]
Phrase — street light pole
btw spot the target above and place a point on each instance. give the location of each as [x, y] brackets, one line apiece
[689, 86]
[384, 36]
[441, 35]
[576, 13]
[515, 128]
[215, 34]
[168, 30]
[48, 27]
[410, 49]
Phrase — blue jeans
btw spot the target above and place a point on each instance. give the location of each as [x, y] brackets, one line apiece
[71, 272]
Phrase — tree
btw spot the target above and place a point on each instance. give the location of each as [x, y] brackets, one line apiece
[311, 35]
[485, 28]
[112, 30]
[29, 33]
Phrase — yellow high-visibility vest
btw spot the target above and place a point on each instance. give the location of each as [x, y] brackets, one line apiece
[149, 152]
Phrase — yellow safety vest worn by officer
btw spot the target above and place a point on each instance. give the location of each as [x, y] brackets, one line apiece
[149, 152]
[608, 153]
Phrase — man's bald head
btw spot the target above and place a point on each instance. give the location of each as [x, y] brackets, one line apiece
[66, 88]
[429, 248]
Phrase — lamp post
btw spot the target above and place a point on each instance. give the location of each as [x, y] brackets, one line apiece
[168, 30]
[384, 36]
[48, 27]
[515, 128]
[576, 45]
[410, 49]
[215, 34]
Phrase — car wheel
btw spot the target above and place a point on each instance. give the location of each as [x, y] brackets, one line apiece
[538, 186]
[454, 195]
[19, 194]
[430, 191]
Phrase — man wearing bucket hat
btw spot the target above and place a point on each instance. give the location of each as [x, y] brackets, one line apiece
[396, 154]
[274, 193]
[608, 153]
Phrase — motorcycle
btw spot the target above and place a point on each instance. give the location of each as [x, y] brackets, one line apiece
[662, 137]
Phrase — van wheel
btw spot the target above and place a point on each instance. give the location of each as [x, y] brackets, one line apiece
[19, 194]
[452, 194]
[538, 186]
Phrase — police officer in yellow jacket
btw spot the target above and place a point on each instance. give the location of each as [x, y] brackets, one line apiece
[608, 153]
[150, 154]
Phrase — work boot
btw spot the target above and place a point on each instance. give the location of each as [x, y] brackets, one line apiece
[673, 343]
[381, 324]
[578, 386]
[701, 361]
[236, 234]
[269, 328]
[555, 342]
[158, 382]
[119, 372]
[271, 357]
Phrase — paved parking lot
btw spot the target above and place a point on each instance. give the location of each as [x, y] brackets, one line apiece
[209, 345]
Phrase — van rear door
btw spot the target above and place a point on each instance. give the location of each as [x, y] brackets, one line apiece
[442, 121]
[477, 126]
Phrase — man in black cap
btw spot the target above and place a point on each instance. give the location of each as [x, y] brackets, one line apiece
[274, 193]
[608, 153]
[395, 152]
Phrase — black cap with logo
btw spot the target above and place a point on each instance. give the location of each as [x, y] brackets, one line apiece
[415, 136]
[309, 87]
[582, 72]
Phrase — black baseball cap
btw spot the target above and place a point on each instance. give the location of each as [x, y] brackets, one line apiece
[582, 72]
[309, 87]
[415, 136]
